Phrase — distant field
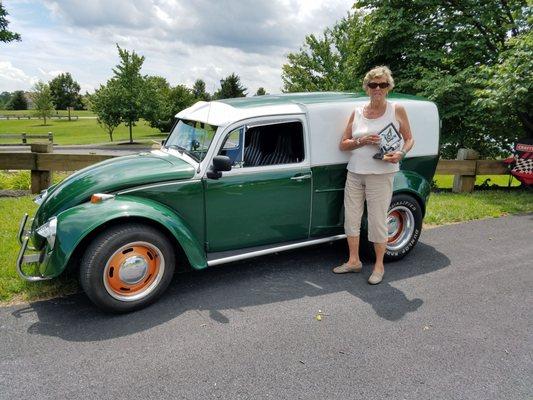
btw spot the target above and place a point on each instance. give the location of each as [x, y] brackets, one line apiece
[80, 113]
[82, 131]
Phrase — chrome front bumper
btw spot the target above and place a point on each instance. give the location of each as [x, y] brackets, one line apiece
[33, 258]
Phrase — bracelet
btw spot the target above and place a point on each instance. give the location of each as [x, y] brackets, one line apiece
[404, 153]
[357, 141]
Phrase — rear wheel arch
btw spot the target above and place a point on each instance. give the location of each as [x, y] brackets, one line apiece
[416, 196]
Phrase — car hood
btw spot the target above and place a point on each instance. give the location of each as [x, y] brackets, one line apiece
[110, 176]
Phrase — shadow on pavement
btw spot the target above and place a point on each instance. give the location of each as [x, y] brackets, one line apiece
[265, 280]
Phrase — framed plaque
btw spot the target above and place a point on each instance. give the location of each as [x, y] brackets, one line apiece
[391, 140]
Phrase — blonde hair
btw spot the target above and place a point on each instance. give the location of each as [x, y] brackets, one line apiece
[378, 72]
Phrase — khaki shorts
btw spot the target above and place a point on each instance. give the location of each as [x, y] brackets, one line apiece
[377, 190]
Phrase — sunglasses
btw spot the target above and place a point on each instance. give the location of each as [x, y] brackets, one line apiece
[382, 85]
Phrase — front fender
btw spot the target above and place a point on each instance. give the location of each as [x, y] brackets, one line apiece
[74, 224]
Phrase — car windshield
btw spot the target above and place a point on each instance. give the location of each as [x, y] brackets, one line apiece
[191, 137]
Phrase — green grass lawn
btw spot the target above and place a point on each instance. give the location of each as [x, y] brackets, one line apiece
[447, 207]
[21, 180]
[443, 208]
[446, 181]
[82, 131]
[12, 287]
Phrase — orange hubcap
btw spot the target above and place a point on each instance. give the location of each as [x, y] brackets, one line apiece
[396, 217]
[132, 270]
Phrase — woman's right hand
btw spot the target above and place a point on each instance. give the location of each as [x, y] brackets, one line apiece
[369, 139]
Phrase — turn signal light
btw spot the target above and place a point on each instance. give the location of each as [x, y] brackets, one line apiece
[99, 197]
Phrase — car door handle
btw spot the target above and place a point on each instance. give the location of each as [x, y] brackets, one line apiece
[301, 177]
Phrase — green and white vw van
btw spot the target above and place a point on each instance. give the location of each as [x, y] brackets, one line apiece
[235, 179]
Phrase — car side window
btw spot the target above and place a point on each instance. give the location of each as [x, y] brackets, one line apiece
[274, 144]
[232, 146]
[232, 140]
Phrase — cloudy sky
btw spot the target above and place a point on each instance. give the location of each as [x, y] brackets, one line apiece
[182, 40]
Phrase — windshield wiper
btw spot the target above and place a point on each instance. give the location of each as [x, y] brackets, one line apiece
[175, 146]
[182, 150]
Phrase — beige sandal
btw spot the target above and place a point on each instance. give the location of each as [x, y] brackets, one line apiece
[376, 278]
[344, 268]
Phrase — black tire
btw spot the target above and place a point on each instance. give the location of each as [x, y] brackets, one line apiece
[404, 222]
[126, 267]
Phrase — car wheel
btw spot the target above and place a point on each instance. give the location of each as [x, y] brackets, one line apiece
[126, 267]
[404, 223]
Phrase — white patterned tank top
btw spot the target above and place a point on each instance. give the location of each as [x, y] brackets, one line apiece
[361, 161]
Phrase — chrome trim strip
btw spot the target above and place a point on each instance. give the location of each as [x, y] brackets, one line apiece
[265, 169]
[329, 190]
[311, 197]
[301, 177]
[154, 185]
[274, 250]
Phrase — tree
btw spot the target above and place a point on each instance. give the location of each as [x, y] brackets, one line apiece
[507, 91]
[17, 101]
[158, 115]
[5, 97]
[65, 92]
[169, 101]
[130, 86]
[437, 49]
[322, 62]
[198, 91]
[105, 103]
[85, 101]
[42, 100]
[260, 92]
[5, 35]
[230, 87]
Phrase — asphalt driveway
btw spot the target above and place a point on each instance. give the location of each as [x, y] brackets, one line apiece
[451, 321]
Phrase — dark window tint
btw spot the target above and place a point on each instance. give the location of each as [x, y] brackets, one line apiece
[274, 144]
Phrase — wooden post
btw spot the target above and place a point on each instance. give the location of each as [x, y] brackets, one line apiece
[465, 183]
[40, 179]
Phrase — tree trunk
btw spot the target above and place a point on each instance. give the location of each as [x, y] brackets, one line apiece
[131, 135]
[527, 122]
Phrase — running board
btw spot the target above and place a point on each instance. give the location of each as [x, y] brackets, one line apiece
[223, 257]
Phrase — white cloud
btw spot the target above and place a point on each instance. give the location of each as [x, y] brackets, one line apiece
[48, 75]
[181, 40]
[15, 78]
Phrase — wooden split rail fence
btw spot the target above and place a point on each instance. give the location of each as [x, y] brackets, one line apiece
[24, 137]
[42, 161]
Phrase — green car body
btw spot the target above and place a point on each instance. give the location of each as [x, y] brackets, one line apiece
[239, 213]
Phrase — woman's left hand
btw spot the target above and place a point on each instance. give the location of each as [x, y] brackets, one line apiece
[393, 157]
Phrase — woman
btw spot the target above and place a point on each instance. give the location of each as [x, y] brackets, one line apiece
[370, 178]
